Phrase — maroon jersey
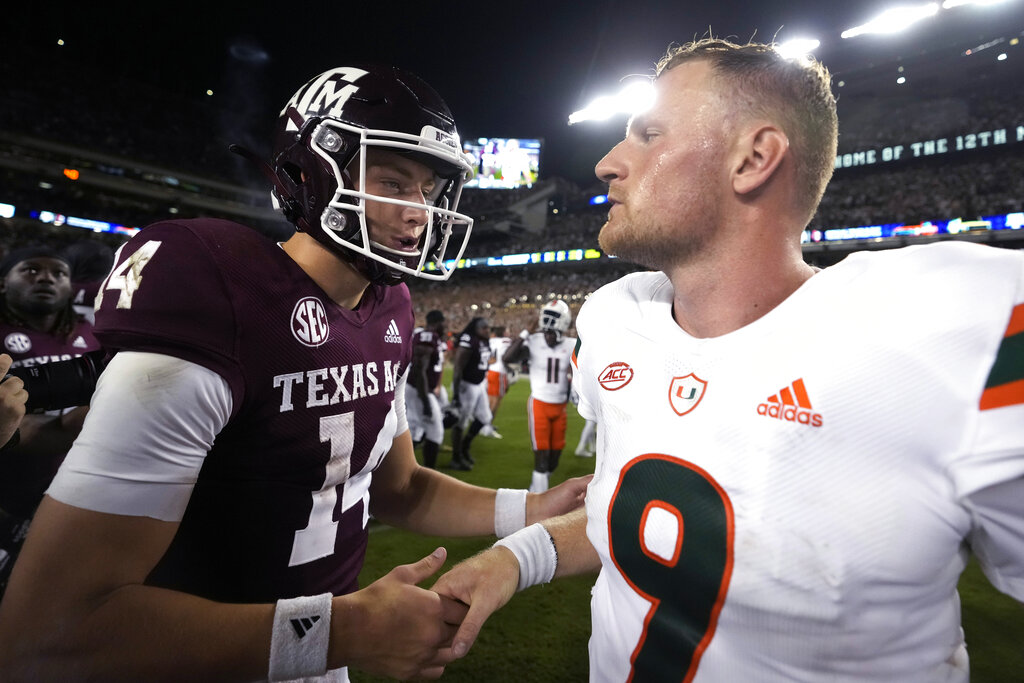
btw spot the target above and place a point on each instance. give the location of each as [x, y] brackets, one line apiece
[30, 347]
[475, 371]
[23, 479]
[432, 340]
[278, 508]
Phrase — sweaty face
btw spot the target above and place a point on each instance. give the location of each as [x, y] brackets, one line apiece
[397, 228]
[665, 178]
[38, 286]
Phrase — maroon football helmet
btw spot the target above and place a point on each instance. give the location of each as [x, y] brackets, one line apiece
[328, 125]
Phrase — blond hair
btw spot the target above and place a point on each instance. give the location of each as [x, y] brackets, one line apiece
[795, 92]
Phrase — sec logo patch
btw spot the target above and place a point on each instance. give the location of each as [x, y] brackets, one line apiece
[309, 322]
[615, 376]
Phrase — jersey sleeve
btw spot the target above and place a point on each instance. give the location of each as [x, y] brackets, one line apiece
[152, 420]
[993, 484]
[167, 294]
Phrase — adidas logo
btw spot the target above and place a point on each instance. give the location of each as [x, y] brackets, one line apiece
[392, 335]
[792, 405]
[79, 343]
[303, 625]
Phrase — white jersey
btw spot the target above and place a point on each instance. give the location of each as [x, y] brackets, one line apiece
[802, 491]
[549, 368]
[499, 345]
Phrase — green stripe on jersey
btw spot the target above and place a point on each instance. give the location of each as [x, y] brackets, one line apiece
[1009, 364]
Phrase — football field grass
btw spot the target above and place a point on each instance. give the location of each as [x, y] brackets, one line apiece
[541, 635]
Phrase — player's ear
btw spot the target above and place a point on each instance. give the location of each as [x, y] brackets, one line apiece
[759, 153]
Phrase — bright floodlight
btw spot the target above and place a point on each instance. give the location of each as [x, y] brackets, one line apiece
[635, 97]
[894, 20]
[797, 47]
[956, 3]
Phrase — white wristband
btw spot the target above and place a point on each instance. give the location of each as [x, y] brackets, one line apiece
[298, 643]
[535, 550]
[509, 511]
[525, 334]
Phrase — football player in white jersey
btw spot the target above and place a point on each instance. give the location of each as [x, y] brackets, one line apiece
[760, 511]
[548, 352]
[497, 373]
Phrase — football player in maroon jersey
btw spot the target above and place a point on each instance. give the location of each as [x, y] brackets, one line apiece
[38, 325]
[211, 521]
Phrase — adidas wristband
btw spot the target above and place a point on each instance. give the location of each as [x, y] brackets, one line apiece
[524, 335]
[509, 511]
[298, 643]
[535, 550]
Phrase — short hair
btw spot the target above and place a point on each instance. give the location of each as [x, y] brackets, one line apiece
[434, 317]
[796, 90]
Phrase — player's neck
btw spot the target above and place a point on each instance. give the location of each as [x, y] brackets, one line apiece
[711, 299]
[39, 322]
[342, 283]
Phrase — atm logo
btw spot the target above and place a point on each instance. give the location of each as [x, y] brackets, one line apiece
[615, 376]
[792, 405]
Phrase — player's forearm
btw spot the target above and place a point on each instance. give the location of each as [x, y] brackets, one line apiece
[513, 352]
[576, 555]
[438, 505]
[138, 633]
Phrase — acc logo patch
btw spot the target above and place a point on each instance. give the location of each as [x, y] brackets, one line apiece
[615, 376]
[309, 322]
[684, 393]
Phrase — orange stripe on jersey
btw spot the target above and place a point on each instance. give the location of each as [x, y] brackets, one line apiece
[801, 394]
[1003, 395]
[1016, 325]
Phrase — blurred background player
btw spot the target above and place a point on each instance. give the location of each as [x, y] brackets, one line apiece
[549, 354]
[497, 373]
[90, 262]
[587, 446]
[469, 393]
[38, 324]
[422, 394]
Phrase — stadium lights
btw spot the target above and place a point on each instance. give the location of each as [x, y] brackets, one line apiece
[957, 3]
[797, 47]
[894, 20]
[635, 97]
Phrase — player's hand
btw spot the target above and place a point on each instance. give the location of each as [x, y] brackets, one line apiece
[557, 500]
[485, 582]
[12, 400]
[394, 628]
